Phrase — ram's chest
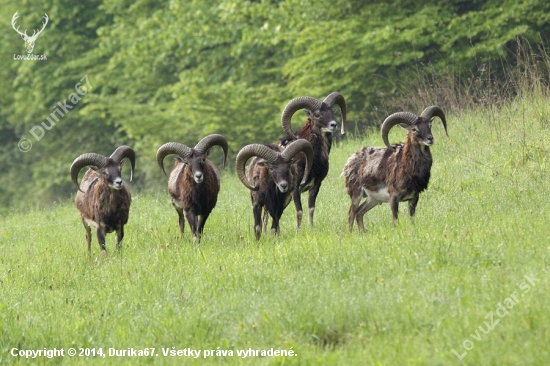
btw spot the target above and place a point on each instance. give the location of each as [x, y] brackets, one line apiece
[420, 183]
[320, 165]
[114, 207]
[199, 198]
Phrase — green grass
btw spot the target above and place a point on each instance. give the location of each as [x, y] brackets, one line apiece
[405, 294]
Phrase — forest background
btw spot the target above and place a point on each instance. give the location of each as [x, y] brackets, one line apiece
[162, 71]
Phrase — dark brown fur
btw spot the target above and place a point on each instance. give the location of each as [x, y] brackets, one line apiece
[197, 200]
[268, 196]
[103, 207]
[403, 170]
[321, 142]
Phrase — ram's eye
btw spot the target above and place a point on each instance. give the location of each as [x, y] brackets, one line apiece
[414, 129]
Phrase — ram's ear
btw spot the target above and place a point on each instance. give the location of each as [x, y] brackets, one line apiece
[294, 161]
[405, 126]
[180, 159]
[307, 112]
[264, 164]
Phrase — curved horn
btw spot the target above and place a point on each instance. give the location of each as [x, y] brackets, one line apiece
[394, 119]
[84, 160]
[338, 99]
[291, 108]
[246, 153]
[436, 111]
[123, 152]
[296, 147]
[171, 148]
[212, 140]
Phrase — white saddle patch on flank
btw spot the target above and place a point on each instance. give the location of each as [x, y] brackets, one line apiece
[91, 223]
[381, 195]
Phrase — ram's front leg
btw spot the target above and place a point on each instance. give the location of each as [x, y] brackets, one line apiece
[101, 238]
[181, 218]
[119, 236]
[311, 202]
[298, 204]
[192, 220]
[257, 211]
[276, 215]
[412, 204]
[201, 223]
[264, 221]
[394, 204]
[275, 225]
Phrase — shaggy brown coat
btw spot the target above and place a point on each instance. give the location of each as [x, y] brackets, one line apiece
[102, 207]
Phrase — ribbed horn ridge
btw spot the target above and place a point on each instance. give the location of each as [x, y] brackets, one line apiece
[295, 147]
[246, 153]
[338, 99]
[125, 152]
[394, 119]
[293, 106]
[83, 160]
[171, 148]
[213, 140]
[436, 111]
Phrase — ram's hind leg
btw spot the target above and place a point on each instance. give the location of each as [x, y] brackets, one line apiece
[355, 200]
[88, 236]
[362, 209]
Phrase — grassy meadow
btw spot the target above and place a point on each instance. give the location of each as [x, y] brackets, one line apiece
[416, 293]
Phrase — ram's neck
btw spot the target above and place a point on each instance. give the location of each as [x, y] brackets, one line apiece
[416, 163]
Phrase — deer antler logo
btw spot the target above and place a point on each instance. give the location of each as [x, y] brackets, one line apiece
[29, 41]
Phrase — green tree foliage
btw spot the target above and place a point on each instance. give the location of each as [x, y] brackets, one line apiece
[179, 70]
[31, 91]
